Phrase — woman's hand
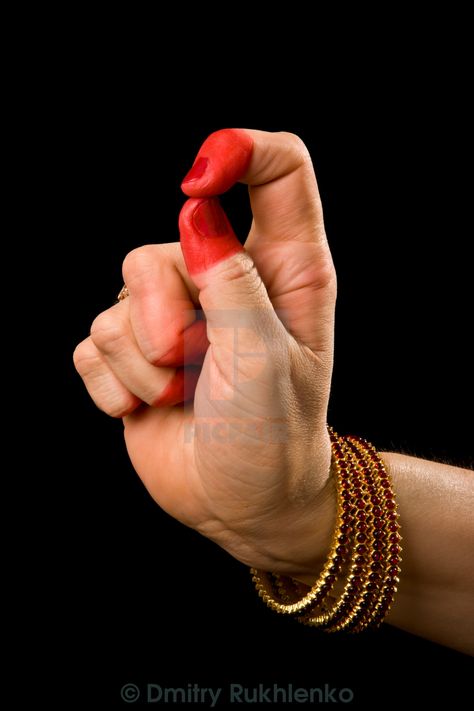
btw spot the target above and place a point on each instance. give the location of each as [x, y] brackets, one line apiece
[247, 462]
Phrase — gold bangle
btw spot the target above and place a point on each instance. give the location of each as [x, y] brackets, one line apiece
[350, 604]
[388, 555]
[368, 528]
[275, 590]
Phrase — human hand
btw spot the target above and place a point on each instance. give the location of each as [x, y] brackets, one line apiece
[246, 461]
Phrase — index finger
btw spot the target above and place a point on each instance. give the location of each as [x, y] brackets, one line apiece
[278, 169]
[287, 240]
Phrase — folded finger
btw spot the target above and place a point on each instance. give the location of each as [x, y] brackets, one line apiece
[164, 310]
[112, 335]
[105, 389]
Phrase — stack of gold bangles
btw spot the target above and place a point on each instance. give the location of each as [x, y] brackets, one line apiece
[365, 549]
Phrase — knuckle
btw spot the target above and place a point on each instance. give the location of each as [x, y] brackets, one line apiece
[110, 399]
[120, 406]
[155, 354]
[85, 357]
[327, 278]
[139, 263]
[107, 331]
[297, 147]
[241, 269]
[238, 279]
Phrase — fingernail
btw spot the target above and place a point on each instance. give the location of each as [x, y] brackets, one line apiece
[197, 171]
[210, 219]
[206, 235]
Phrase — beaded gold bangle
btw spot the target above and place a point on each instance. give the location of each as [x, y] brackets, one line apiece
[386, 558]
[276, 591]
[366, 543]
[350, 604]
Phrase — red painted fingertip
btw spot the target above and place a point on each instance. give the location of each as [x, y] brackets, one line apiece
[222, 160]
[189, 348]
[180, 389]
[207, 236]
[197, 171]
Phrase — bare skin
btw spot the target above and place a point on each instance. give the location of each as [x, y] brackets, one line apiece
[216, 464]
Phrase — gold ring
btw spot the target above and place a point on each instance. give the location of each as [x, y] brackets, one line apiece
[123, 293]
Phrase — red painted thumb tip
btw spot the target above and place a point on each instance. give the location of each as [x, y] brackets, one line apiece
[210, 219]
[207, 236]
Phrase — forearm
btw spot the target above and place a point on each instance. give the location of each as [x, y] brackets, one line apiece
[436, 592]
[435, 596]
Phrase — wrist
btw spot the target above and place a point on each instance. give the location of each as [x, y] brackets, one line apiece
[300, 536]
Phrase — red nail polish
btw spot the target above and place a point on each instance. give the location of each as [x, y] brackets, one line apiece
[227, 154]
[197, 171]
[210, 219]
[207, 236]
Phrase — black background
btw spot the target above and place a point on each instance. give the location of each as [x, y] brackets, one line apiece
[132, 595]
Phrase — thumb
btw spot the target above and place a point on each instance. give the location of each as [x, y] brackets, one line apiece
[207, 237]
[231, 292]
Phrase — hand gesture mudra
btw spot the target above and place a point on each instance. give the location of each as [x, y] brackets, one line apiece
[244, 338]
